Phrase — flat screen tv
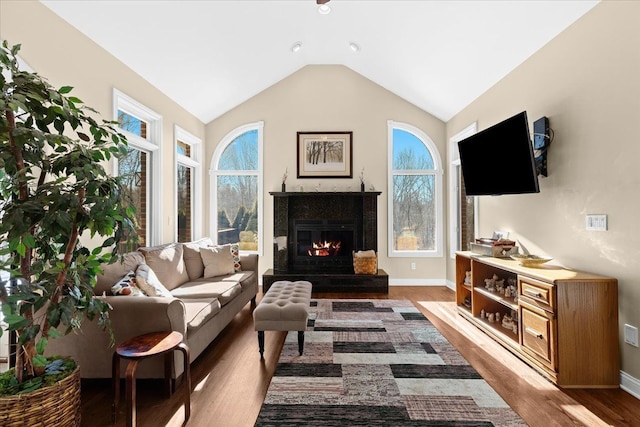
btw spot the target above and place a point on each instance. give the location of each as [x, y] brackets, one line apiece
[500, 160]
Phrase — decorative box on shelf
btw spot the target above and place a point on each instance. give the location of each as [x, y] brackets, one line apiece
[498, 248]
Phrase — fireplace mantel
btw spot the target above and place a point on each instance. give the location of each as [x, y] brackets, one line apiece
[359, 207]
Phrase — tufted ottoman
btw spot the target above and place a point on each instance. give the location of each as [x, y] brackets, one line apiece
[283, 308]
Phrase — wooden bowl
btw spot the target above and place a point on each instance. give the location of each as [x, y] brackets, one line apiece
[530, 260]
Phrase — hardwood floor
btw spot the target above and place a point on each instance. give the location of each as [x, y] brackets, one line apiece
[230, 381]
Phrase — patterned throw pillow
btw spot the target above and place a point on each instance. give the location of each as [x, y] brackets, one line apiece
[149, 283]
[127, 286]
[235, 253]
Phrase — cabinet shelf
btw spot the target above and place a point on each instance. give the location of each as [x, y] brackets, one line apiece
[508, 302]
[497, 328]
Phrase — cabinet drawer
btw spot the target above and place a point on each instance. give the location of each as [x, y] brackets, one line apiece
[538, 334]
[537, 293]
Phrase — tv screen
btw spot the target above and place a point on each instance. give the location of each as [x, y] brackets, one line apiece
[500, 159]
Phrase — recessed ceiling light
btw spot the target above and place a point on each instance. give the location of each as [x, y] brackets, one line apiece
[324, 9]
[354, 47]
[296, 47]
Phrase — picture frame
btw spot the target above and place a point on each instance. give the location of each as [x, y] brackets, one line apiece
[325, 154]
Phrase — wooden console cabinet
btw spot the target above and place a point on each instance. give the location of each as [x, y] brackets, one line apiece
[567, 321]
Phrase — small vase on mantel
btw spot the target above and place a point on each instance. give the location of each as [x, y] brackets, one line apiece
[284, 187]
[362, 186]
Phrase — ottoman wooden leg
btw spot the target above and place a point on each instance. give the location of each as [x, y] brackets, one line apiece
[187, 372]
[131, 392]
[300, 342]
[261, 343]
[115, 378]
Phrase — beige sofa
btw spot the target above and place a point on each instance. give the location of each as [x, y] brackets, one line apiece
[199, 307]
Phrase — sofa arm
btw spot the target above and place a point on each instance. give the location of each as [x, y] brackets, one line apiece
[249, 262]
[130, 316]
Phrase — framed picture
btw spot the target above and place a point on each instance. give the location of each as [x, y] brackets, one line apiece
[325, 154]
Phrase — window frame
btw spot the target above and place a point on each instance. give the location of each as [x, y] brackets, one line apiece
[455, 177]
[214, 173]
[193, 161]
[436, 172]
[150, 145]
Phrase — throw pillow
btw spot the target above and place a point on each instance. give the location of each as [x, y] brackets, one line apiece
[127, 286]
[217, 261]
[192, 259]
[235, 253]
[149, 283]
[168, 264]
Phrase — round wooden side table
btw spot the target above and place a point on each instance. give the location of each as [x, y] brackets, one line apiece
[139, 348]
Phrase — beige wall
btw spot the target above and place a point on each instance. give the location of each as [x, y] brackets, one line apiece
[331, 98]
[587, 81]
[64, 56]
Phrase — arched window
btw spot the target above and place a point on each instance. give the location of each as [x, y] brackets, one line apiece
[415, 193]
[236, 183]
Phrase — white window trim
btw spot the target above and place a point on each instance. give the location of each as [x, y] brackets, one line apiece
[151, 145]
[193, 162]
[438, 173]
[454, 191]
[214, 173]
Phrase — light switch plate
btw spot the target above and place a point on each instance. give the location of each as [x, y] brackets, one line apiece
[631, 335]
[596, 222]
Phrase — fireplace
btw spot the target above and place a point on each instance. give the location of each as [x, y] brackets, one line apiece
[347, 219]
[315, 234]
[323, 245]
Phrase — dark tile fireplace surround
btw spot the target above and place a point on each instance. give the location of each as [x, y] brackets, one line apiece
[315, 234]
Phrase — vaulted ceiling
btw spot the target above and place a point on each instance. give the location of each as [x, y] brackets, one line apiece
[210, 56]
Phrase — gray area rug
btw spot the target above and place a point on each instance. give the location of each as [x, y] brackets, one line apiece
[377, 363]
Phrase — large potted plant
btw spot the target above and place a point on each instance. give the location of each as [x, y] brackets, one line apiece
[54, 191]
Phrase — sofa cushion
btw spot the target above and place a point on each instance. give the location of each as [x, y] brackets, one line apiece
[193, 259]
[149, 283]
[217, 260]
[200, 310]
[245, 278]
[168, 264]
[207, 288]
[112, 273]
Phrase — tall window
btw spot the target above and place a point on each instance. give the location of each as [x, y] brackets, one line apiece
[415, 193]
[140, 167]
[462, 209]
[188, 187]
[236, 172]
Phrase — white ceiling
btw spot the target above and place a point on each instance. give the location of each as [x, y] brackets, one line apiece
[210, 56]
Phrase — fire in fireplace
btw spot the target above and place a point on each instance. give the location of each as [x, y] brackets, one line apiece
[323, 245]
[326, 248]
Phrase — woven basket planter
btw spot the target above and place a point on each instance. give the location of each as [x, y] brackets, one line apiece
[365, 265]
[57, 405]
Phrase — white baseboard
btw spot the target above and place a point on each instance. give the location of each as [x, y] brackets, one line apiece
[421, 282]
[630, 384]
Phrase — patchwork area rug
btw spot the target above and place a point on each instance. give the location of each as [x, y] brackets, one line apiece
[375, 363]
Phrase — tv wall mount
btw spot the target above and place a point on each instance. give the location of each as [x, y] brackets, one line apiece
[542, 138]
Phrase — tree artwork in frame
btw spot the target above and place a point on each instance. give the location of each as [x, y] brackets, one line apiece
[325, 154]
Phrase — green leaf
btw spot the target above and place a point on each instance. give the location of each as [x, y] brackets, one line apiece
[29, 241]
[54, 333]
[41, 345]
[65, 89]
[39, 361]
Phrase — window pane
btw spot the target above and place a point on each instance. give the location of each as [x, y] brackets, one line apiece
[132, 124]
[132, 168]
[237, 211]
[183, 148]
[414, 212]
[409, 152]
[241, 154]
[184, 203]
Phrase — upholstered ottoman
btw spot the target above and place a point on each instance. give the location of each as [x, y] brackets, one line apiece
[283, 308]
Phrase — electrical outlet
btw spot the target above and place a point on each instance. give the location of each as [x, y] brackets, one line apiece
[413, 265]
[631, 335]
[596, 222]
